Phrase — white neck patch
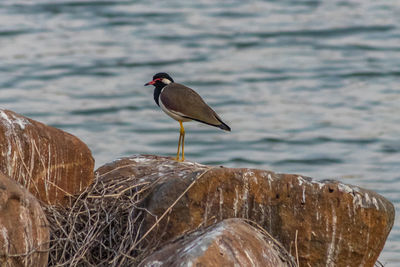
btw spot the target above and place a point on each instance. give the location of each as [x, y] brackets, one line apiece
[166, 81]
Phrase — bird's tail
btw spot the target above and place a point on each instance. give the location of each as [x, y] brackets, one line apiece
[225, 127]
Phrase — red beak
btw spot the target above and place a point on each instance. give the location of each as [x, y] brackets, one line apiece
[152, 82]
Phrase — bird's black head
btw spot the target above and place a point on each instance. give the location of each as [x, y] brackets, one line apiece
[160, 80]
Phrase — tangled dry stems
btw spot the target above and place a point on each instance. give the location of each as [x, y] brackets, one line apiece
[101, 226]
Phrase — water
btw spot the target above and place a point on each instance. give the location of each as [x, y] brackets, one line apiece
[308, 87]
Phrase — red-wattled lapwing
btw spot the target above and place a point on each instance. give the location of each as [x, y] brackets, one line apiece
[183, 104]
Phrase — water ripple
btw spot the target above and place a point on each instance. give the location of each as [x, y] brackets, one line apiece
[318, 141]
[317, 161]
[321, 33]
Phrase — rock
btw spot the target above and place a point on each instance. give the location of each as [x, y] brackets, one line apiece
[48, 162]
[23, 227]
[336, 224]
[231, 242]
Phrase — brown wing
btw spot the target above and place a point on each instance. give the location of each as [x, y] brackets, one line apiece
[188, 103]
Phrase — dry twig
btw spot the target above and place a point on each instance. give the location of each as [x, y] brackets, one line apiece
[104, 225]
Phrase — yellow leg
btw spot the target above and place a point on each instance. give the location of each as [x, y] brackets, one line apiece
[183, 144]
[179, 146]
[181, 141]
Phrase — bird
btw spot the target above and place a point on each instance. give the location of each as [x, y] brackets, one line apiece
[183, 104]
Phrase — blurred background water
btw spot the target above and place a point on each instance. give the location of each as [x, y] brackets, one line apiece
[309, 87]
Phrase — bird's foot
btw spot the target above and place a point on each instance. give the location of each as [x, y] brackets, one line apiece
[179, 160]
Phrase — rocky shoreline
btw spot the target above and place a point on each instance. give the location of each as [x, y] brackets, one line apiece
[149, 210]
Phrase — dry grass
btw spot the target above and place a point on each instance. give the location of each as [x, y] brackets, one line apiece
[104, 225]
[101, 226]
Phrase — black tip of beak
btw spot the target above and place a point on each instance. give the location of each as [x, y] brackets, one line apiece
[146, 84]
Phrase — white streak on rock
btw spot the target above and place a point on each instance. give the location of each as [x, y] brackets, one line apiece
[12, 120]
[345, 188]
[9, 151]
[194, 164]
[221, 202]
[249, 173]
[302, 181]
[270, 186]
[367, 199]
[332, 245]
[320, 185]
[4, 234]
[140, 159]
[245, 195]
[382, 204]
[357, 201]
[26, 223]
[21, 122]
[5, 117]
[375, 203]
[235, 201]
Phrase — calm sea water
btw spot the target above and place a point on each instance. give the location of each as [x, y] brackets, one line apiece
[309, 87]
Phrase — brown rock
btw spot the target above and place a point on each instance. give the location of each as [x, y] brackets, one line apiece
[231, 242]
[337, 224]
[24, 235]
[48, 162]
